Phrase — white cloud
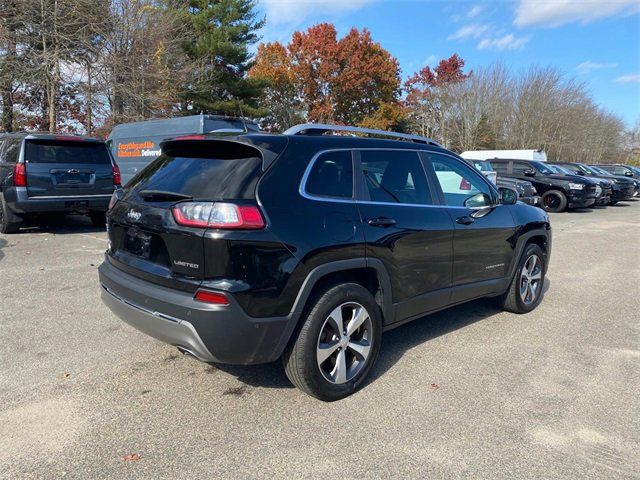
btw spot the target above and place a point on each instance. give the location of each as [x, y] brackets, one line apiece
[475, 30]
[589, 66]
[431, 60]
[296, 11]
[475, 11]
[553, 13]
[629, 78]
[508, 42]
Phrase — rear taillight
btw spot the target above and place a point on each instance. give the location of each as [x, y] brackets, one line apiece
[19, 175]
[214, 298]
[117, 180]
[464, 184]
[218, 215]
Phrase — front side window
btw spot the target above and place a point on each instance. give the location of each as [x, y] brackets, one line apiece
[331, 175]
[461, 186]
[520, 167]
[393, 176]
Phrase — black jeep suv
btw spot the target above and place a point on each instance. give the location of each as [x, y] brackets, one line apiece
[46, 173]
[306, 246]
[558, 192]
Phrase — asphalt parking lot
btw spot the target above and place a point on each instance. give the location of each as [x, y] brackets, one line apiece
[471, 392]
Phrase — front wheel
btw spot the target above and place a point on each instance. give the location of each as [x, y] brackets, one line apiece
[554, 201]
[337, 343]
[526, 289]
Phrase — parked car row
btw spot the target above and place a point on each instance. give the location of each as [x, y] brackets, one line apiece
[558, 186]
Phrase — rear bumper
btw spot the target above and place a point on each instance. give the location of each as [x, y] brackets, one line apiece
[20, 203]
[211, 333]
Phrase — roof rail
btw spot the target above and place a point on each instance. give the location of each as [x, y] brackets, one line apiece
[320, 128]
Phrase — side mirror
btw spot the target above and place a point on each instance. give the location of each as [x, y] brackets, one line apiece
[478, 201]
[628, 173]
[508, 196]
[530, 172]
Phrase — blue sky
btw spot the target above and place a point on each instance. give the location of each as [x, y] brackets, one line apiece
[597, 42]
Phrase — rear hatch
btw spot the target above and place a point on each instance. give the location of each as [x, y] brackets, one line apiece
[67, 167]
[156, 231]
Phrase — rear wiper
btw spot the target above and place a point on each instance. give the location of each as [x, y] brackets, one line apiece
[162, 195]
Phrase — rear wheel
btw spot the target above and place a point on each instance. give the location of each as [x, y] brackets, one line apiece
[337, 343]
[5, 225]
[98, 218]
[525, 291]
[554, 201]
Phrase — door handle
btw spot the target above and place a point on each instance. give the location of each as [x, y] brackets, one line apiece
[382, 222]
[465, 220]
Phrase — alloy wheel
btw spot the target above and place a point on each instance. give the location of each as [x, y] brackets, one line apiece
[531, 279]
[344, 344]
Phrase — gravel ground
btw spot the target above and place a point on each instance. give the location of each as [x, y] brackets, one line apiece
[471, 392]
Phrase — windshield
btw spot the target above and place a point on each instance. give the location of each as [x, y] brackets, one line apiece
[483, 166]
[599, 170]
[564, 170]
[542, 168]
[586, 169]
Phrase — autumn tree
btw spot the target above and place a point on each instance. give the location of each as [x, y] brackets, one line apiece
[351, 80]
[428, 96]
[281, 97]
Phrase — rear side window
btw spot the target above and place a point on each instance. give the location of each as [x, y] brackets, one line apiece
[55, 151]
[201, 177]
[331, 175]
[393, 176]
[12, 150]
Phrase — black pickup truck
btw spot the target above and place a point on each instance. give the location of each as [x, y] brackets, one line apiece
[558, 192]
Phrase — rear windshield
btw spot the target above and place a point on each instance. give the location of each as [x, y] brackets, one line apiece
[201, 178]
[56, 151]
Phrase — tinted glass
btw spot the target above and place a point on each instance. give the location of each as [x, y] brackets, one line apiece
[483, 166]
[12, 150]
[52, 151]
[520, 167]
[541, 167]
[331, 175]
[395, 177]
[500, 167]
[201, 178]
[461, 186]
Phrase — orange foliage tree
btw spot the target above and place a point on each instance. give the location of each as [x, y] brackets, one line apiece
[321, 78]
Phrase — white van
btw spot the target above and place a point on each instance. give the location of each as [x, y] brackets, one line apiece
[537, 155]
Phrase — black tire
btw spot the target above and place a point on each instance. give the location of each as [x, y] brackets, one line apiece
[5, 225]
[300, 358]
[554, 201]
[512, 300]
[98, 218]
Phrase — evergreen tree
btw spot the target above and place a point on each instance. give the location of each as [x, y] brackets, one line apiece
[218, 50]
